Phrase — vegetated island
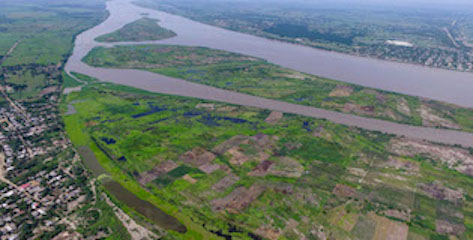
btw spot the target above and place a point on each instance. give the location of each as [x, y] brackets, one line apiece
[144, 29]
[257, 77]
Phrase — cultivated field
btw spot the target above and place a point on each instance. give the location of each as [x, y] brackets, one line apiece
[240, 172]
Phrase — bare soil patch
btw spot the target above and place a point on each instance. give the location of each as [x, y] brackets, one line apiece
[389, 229]
[344, 191]
[154, 173]
[225, 182]
[261, 169]
[454, 157]
[341, 91]
[274, 117]
[239, 199]
[268, 232]
[197, 157]
[286, 167]
[209, 168]
[446, 227]
[403, 107]
[362, 110]
[189, 179]
[437, 191]
[430, 119]
[230, 143]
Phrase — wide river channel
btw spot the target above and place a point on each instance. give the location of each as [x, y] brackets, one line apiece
[449, 86]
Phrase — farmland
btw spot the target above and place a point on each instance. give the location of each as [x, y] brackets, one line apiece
[254, 76]
[144, 29]
[226, 170]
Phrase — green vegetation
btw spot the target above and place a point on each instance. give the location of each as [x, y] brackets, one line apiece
[254, 76]
[25, 83]
[411, 32]
[46, 28]
[68, 81]
[35, 40]
[100, 217]
[144, 29]
[223, 169]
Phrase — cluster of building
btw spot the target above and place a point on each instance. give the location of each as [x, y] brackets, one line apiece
[454, 59]
[39, 170]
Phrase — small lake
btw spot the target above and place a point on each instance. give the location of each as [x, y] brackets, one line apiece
[145, 208]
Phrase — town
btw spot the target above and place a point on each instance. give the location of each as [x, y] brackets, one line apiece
[42, 179]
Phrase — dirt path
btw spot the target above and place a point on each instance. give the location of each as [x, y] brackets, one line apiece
[10, 51]
[136, 231]
[28, 149]
[449, 35]
[3, 179]
[2, 165]
[13, 105]
[74, 89]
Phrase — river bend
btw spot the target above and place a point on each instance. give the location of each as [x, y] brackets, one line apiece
[455, 87]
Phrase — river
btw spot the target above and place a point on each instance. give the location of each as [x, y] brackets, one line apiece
[450, 86]
[123, 12]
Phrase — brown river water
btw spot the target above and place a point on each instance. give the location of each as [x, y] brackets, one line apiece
[443, 85]
[437, 84]
[449, 86]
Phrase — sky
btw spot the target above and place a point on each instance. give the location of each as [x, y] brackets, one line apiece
[461, 5]
[404, 2]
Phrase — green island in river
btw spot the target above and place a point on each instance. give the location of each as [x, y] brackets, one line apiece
[257, 77]
[144, 29]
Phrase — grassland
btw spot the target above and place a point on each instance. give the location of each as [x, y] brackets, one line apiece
[35, 40]
[46, 28]
[230, 171]
[254, 76]
[144, 29]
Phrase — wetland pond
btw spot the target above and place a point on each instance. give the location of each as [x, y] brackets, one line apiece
[122, 194]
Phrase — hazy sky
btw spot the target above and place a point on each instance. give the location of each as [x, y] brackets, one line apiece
[462, 5]
[406, 2]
